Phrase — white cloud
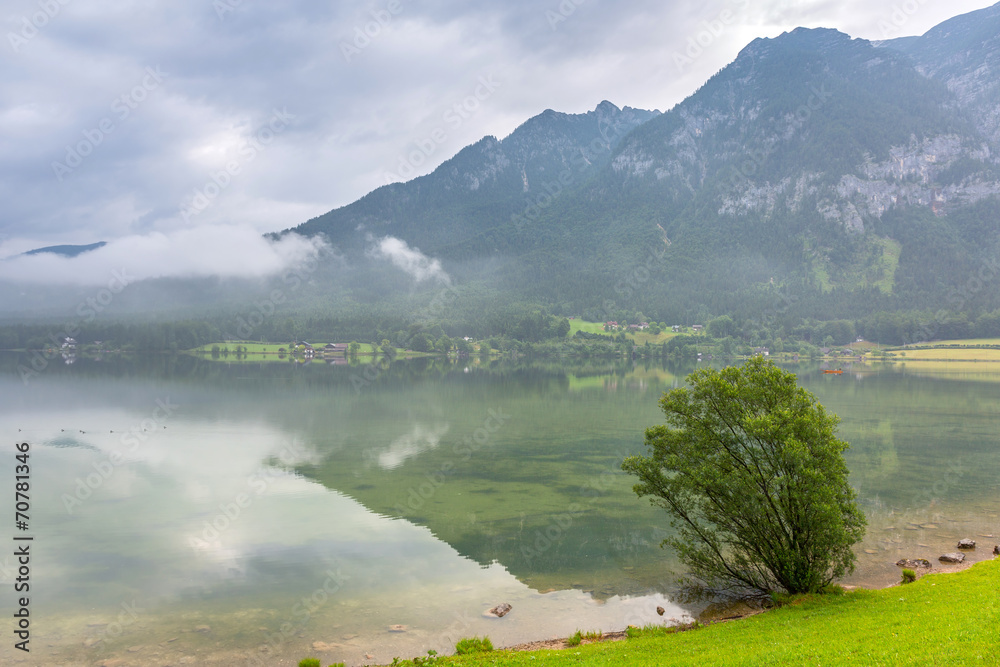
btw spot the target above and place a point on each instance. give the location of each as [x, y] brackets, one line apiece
[410, 260]
[410, 445]
[226, 251]
[356, 118]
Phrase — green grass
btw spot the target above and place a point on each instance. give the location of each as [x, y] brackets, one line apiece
[874, 266]
[585, 327]
[473, 645]
[598, 328]
[940, 619]
[886, 265]
[969, 342]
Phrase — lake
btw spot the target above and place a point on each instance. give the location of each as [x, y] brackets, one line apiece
[193, 512]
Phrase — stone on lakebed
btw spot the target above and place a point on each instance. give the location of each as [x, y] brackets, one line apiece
[499, 611]
[967, 544]
[952, 558]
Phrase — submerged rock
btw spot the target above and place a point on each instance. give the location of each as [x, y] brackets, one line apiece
[913, 562]
[952, 558]
[967, 544]
[397, 628]
[500, 610]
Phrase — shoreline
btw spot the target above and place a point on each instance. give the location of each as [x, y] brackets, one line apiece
[621, 635]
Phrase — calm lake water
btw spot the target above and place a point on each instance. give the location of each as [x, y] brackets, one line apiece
[190, 512]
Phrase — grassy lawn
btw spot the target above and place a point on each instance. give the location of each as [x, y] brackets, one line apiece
[585, 327]
[940, 619]
[965, 341]
[598, 328]
[946, 354]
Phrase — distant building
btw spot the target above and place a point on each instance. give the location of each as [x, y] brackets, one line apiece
[698, 327]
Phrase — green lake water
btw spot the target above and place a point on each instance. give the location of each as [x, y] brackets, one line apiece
[191, 512]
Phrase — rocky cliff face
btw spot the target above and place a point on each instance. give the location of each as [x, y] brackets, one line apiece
[812, 123]
[964, 53]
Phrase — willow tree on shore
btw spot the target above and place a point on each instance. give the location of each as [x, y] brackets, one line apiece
[750, 470]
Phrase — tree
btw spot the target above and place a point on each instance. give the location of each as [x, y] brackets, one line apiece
[721, 327]
[753, 476]
[563, 328]
[420, 343]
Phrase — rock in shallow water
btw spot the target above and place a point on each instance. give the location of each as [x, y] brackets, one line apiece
[952, 558]
[967, 544]
[500, 610]
[913, 562]
[996, 550]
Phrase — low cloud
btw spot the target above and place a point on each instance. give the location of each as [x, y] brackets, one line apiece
[218, 251]
[410, 260]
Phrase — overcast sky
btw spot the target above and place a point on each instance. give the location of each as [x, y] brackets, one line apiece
[129, 118]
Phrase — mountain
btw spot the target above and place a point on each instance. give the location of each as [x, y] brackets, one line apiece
[816, 176]
[67, 250]
[817, 163]
[455, 211]
[964, 54]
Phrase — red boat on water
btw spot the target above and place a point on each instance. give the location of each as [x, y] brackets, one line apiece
[836, 372]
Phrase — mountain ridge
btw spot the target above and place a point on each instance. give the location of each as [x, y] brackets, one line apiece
[851, 174]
